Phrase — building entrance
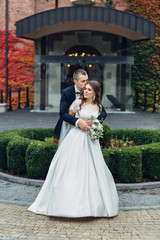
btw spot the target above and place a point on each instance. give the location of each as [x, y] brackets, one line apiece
[82, 52]
[100, 54]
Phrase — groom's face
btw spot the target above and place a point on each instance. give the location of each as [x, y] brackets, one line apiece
[81, 81]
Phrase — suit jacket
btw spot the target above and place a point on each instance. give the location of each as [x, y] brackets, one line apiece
[67, 98]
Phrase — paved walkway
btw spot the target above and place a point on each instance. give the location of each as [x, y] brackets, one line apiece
[139, 213]
[17, 224]
[23, 195]
[138, 218]
[26, 119]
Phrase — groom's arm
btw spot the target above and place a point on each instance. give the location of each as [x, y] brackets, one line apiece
[64, 107]
[103, 114]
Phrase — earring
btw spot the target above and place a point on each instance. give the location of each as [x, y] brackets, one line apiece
[94, 98]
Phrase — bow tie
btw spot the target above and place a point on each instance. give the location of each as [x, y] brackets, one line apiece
[77, 92]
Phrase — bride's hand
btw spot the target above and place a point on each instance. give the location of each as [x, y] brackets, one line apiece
[89, 122]
[83, 125]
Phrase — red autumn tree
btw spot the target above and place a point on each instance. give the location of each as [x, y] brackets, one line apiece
[20, 62]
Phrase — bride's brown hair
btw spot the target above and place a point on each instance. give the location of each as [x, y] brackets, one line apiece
[97, 90]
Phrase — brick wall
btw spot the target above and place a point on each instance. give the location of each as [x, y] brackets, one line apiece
[24, 8]
[42, 5]
[2, 15]
[17, 11]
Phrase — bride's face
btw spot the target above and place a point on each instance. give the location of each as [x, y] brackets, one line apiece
[88, 92]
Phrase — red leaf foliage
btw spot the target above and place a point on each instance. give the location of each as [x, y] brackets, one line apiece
[20, 63]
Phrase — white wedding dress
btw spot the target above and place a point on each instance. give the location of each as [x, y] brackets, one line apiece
[78, 183]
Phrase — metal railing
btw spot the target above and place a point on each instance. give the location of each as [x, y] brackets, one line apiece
[145, 99]
[19, 103]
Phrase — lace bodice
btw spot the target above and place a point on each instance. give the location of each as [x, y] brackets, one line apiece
[87, 110]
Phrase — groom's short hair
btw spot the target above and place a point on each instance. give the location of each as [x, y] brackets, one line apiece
[79, 72]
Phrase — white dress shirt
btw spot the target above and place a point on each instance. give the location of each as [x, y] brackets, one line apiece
[77, 97]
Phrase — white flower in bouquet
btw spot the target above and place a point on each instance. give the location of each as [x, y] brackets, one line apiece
[94, 126]
[96, 120]
[100, 128]
[96, 130]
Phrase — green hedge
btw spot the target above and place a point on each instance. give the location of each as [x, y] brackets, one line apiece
[36, 133]
[24, 151]
[13, 147]
[151, 161]
[106, 134]
[5, 138]
[3, 155]
[16, 152]
[130, 164]
[124, 163]
[38, 158]
[143, 136]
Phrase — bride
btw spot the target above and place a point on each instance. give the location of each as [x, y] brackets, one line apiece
[78, 183]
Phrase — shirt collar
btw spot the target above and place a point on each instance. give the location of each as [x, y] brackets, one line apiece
[76, 90]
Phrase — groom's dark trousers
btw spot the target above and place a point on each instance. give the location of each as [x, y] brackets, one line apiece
[67, 98]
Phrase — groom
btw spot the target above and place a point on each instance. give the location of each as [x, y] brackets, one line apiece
[68, 96]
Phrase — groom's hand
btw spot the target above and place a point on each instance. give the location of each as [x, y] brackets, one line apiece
[89, 122]
[83, 125]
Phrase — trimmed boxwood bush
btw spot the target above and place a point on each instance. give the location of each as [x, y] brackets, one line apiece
[37, 133]
[129, 165]
[106, 134]
[125, 163]
[143, 136]
[13, 146]
[16, 151]
[27, 151]
[38, 158]
[5, 138]
[151, 161]
[3, 155]
[110, 160]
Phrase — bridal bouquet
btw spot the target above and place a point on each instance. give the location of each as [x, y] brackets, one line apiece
[96, 130]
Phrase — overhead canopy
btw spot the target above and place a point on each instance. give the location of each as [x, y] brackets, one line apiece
[86, 18]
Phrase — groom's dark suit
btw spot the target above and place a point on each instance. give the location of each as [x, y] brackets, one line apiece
[67, 98]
